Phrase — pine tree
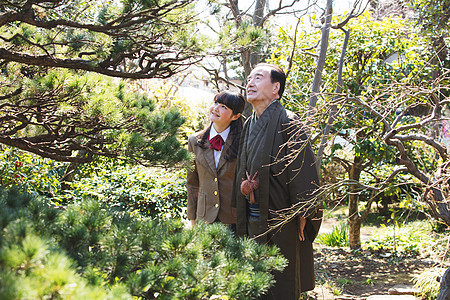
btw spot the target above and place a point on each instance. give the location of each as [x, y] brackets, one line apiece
[52, 104]
[87, 249]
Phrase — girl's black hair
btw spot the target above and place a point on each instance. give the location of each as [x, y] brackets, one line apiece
[236, 103]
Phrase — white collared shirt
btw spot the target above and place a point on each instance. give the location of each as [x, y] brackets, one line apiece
[224, 135]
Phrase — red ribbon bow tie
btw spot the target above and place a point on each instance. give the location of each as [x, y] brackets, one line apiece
[216, 142]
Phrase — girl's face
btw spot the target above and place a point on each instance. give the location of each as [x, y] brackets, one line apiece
[221, 115]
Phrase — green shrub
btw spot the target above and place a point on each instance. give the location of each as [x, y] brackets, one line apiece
[151, 192]
[109, 252]
[33, 267]
[401, 240]
[426, 283]
[338, 237]
[38, 175]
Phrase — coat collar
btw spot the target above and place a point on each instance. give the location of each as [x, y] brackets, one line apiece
[209, 154]
[224, 134]
[225, 148]
[258, 125]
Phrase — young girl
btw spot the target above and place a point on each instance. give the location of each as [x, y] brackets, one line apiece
[210, 183]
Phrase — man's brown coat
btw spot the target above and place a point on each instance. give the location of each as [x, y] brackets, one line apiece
[282, 185]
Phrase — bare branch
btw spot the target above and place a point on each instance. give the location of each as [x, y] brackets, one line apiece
[333, 109]
[354, 13]
[321, 61]
[234, 7]
[291, 59]
[157, 68]
[216, 78]
[428, 140]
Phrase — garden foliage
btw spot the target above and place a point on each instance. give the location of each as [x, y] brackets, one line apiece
[151, 192]
[427, 284]
[337, 237]
[73, 117]
[384, 150]
[88, 250]
[37, 175]
[401, 240]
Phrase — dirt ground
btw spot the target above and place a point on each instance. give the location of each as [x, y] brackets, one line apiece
[341, 274]
[357, 276]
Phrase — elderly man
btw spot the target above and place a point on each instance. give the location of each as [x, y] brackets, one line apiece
[276, 171]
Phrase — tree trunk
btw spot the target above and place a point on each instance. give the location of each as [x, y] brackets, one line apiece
[251, 58]
[440, 206]
[354, 233]
[317, 81]
[71, 169]
[333, 110]
[440, 202]
[257, 21]
[440, 55]
[354, 219]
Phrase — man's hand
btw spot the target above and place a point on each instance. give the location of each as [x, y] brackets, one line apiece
[301, 226]
[249, 185]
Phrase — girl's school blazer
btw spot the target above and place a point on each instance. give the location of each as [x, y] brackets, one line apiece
[209, 189]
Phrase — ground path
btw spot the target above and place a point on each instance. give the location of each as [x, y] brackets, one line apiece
[361, 275]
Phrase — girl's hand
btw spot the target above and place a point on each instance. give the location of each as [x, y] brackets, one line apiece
[192, 222]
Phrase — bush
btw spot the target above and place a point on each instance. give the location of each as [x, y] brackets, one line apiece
[92, 250]
[338, 237]
[401, 240]
[151, 192]
[38, 175]
[32, 267]
[426, 283]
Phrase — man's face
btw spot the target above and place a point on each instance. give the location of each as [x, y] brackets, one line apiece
[260, 87]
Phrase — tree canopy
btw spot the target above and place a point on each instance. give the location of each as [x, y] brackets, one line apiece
[382, 117]
[133, 39]
[60, 114]
[52, 103]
